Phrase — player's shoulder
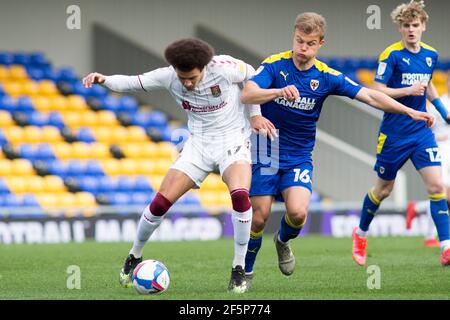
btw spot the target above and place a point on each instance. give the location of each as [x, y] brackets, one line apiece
[428, 48]
[391, 50]
[278, 57]
[323, 68]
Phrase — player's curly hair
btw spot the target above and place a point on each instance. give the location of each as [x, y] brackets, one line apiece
[311, 23]
[409, 11]
[187, 54]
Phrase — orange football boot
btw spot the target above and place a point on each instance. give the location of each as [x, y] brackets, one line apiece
[359, 248]
[445, 258]
[410, 214]
[432, 243]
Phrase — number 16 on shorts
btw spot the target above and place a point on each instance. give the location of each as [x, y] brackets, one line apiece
[302, 176]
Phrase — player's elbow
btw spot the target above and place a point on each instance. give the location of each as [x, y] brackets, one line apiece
[245, 97]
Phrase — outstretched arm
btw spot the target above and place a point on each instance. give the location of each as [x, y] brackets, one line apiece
[117, 83]
[253, 94]
[417, 89]
[433, 96]
[383, 102]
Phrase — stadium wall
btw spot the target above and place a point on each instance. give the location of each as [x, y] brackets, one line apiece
[263, 26]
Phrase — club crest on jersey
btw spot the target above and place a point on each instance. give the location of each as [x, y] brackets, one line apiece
[381, 68]
[314, 84]
[215, 91]
[429, 61]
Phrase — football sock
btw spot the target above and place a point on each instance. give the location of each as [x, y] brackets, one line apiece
[288, 230]
[242, 222]
[147, 225]
[439, 213]
[431, 229]
[368, 211]
[254, 245]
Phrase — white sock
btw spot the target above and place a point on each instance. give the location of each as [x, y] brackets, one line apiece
[147, 225]
[431, 228]
[422, 206]
[445, 245]
[361, 233]
[242, 222]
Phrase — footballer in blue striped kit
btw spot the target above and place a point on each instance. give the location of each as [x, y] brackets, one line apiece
[291, 87]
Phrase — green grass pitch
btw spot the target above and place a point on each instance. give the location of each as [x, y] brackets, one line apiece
[201, 270]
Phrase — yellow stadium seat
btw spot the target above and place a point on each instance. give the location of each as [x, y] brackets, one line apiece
[72, 119]
[5, 167]
[66, 200]
[118, 134]
[76, 103]
[32, 134]
[366, 76]
[439, 77]
[47, 88]
[34, 184]
[145, 167]
[137, 134]
[4, 73]
[100, 151]
[81, 150]
[14, 134]
[102, 134]
[5, 119]
[132, 150]
[111, 167]
[107, 118]
[30, 88]
[22, 167]
[223, 198]
[85, 200]
[129, 166]
[13, 88]
[156, 181]
[62, 150]
[47, 200]
[162, 166]
[17, 72]
[42, 103]
[89, 119]
[57, 102]
[51, 134]
[166, 150]
[54, 184]
[149, 150]
[208, 198]
[16, 184]
[214, 183]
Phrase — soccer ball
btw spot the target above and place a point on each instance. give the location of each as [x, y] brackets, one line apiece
[151, 277]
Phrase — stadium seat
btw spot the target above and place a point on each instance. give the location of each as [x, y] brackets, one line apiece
[93, 168]
[21, 167]
[54, 184]
[5, 119]
[81, 150]
[99, 151]
[16, 184]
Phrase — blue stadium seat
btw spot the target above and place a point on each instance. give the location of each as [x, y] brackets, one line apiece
[142, 184]
[35, 73]
[93, 168]
[57, 168]
[12, 200]
[24, 104]
[7, 103]
[157, 119]
[76, 168]
[107, 184]
[125, 184]
[3, 187]
[98, 92]
[120, 198]
[191, 198]
[85, 135]
[30, 200]
[50, 74]
[128, 104]
[21, 58]
[27, 151]
[111, 103]
[44, 152]
[79, 89]
[89, 184]
[6, 58]
[38, 59]
[67, 74]
[140, 198]
[3, 140]
[55, 119]
[37, 119]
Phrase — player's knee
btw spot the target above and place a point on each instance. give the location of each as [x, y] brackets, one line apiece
[298, 216]
[160, 205]
[240, 200]
[258, 223]
[436, 187]
[383, 192]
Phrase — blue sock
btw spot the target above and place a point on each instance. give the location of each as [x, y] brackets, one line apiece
[439, 213]
[289, 230]
[254, 244]
[368, 211]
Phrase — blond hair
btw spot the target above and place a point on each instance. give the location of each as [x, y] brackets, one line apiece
[407, 12]
[311, 23]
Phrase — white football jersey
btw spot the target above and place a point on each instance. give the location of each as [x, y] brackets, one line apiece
[213, 107]
[440, 127]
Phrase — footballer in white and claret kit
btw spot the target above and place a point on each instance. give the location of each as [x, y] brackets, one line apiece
[207, 87]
